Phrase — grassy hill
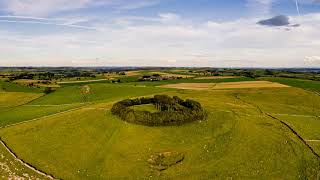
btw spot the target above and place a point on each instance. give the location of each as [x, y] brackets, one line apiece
[11, 99]
[97, 92]
[32, 106]
[300, 83]
[15, 87]
[238, 140]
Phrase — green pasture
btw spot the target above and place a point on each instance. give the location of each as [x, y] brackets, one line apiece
[98, 92]
[298, 108]
[14, 87]
[191, 80]
[9, 99]
[236, 141]
[300, 83]
[24, 113]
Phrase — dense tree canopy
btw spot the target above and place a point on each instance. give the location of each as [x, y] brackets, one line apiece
[172, 111]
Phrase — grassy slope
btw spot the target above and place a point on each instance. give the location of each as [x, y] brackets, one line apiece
[304, 84]
[299, 108]
[72, 95]
[91, 143]
[98, 92]
[191, 80]
[13, 87]
[9, 99]
[24, 113]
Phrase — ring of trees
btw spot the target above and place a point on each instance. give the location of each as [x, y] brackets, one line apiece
[171, 111]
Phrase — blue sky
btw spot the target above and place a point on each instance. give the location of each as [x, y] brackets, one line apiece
[237, 33]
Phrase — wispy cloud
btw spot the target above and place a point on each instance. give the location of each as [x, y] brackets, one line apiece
[47, 7]
[260, 7]
[70, 23]
[41, 7]
[136, 4]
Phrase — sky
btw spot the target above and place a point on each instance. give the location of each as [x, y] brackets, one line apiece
[199, 33]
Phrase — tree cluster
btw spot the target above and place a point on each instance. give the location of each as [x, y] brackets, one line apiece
[172, 111]
[48, 90]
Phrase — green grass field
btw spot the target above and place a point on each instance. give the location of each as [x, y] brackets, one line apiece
[68, 97]
[25, 113]
[10, 99]
[191, 80]
[14, 87]
[98, 92]
[300, 83]
[236, 141]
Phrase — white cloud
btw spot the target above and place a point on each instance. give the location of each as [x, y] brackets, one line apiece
[169, 17]
[312, 60]
[178, 43]
[41, 7]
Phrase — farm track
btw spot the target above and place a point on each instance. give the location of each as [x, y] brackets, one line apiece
[283, 123]
[24, 163]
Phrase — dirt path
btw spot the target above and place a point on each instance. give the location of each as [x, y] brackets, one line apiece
[24, 163]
